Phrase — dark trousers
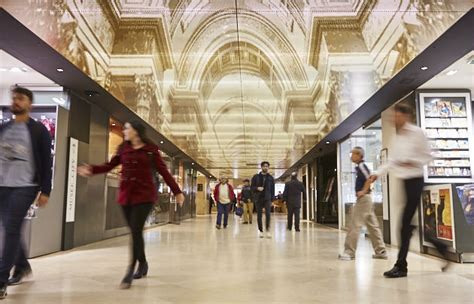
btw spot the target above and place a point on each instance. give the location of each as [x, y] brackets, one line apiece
[222, 209]
[14, 204]
[294, 212]
[136, 216]
[268, 208]
[210, 207]
[413, 191]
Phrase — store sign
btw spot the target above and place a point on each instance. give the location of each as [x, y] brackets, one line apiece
[384, 178]
[72, 180]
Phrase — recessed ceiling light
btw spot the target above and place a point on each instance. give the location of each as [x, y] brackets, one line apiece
[452, 72]
[60, 100]
[59, 70]
[162, 142]
[328, 142]
[113, 125]
[192, 164]
[424, 68]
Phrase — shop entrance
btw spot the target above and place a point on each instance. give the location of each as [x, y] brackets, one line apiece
[327, 200]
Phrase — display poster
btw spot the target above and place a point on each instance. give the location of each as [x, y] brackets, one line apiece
[72, 180]
[384, 179]
[466, 197]
[444, 215]
[437, 213]
[429, 213]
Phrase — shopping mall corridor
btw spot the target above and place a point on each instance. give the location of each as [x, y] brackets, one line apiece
[196, 263]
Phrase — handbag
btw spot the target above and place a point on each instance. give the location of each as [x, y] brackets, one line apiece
[239, 211]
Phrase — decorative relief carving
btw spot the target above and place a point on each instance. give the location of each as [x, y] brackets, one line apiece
[145, 90]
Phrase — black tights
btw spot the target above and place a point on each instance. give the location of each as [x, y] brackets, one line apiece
[136, 216]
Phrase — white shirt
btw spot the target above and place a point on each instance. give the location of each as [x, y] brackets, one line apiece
[410, 145]
[224, 194]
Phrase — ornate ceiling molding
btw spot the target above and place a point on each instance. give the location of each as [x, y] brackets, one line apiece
[255, 30]
[320, 25]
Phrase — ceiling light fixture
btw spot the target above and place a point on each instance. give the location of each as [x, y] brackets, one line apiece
[452, 72]
[424, 68]
[328, 142]
[162, 142]
[59, 70]
[60, 100]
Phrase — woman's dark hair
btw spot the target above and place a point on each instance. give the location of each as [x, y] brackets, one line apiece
[141, 131]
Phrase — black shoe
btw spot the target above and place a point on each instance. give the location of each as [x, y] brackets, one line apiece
[225, 226]
[142, 271]
[245, 223]
[3, 291]
[19, 275]
[396, 272]
[298, 230]
[127, 280]
[218, 226]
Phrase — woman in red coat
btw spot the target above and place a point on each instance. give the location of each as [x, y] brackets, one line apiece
[138, 191]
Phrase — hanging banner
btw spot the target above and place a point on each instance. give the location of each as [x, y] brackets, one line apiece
[72, 180]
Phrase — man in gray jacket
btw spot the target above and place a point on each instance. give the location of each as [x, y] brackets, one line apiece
[292, 197]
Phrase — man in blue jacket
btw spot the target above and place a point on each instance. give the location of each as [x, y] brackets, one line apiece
[25, 176]
[263, 186]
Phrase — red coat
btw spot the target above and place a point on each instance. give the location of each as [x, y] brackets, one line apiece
[136, 180]
[217, 192]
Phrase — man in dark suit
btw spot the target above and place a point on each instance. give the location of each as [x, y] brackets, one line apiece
[292, 197]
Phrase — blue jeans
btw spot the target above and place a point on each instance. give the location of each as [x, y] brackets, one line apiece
[14, 204]
[222, 209]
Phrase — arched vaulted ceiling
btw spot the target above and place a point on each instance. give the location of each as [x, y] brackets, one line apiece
[232, 82]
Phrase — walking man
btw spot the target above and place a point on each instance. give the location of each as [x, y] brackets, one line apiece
[410, 152]
[292, 198]
[363, 212]
[246, 199]
[25, 176]
[223, 196]
[263, 186]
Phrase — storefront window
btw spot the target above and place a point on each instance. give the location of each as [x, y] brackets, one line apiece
[370, 139]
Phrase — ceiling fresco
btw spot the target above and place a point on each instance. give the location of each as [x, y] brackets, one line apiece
[233, 83]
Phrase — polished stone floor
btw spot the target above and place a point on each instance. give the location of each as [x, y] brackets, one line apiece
[195, 263]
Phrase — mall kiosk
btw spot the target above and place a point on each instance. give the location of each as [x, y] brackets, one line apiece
[447, 205]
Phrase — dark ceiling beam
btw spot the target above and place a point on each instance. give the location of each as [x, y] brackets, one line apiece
[23, 44]
[452, 45]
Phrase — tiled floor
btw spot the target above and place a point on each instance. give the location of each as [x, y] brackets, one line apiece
[195, 263]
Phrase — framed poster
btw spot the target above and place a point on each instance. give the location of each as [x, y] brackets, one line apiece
[466, 197]
[437, 214]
